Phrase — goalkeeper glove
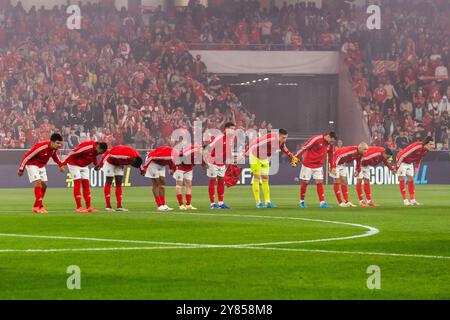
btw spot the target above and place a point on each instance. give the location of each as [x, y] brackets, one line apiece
[294, 161]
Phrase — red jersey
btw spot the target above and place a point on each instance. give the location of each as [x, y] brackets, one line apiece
[221, 150]
[189, 158]
[263, 147]
[348, 155]
[39, 156]
[119, 156]
[314, 152]
[414, 153]
[164, 156]
[83, 155]
[373, 157]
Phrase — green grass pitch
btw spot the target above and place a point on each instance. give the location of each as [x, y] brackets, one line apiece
[218, 254]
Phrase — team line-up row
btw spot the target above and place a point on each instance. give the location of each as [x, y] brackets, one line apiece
[181, 162]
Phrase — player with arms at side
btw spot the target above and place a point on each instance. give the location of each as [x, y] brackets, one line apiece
[408, 163]
[373, 157]
[113, 163]
[35, 161]
[218, 154]
[313, 154]
[260, 152]
[154, 168]
[342, 157]
[78, 162]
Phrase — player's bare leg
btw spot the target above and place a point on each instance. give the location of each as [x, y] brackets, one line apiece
[179, 191]
[188, 187]
[403, 190]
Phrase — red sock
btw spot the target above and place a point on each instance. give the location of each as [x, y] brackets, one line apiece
[220, 189]
[337, 192]
[403, 189]
[180, 199]
[158, 201]
[303, 188]
[77, 192]
[188, 199]
[119, 195]
[37, 197]
[359, 190]
[163, 200]
[212, 190]
[344, 188]
[321, 192]
[43, 190]
[107, 192]
[411, 189]
[367, 191]
[86, 192]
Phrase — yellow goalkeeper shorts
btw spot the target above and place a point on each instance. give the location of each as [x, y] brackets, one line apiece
[258, 166]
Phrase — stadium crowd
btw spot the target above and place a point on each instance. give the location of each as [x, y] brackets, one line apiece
[128, 78]
[400, 73]
[117, 80]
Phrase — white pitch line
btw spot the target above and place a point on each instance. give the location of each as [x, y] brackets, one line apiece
[94, 239]
[92, 249]
[385, 254]
[404, 255]
[371, 230]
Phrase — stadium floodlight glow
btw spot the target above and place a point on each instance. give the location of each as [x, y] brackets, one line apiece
[254, 81]
[259, 80]
[331, 122]
[266, 79]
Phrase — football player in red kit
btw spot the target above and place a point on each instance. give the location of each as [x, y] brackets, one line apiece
[342, 157]
[113, 163]
[78, 162]
[184, 172]
[408, 162]
[313, 154]
[154, 168]
[218, 154]
[373, 157]
[35, 161]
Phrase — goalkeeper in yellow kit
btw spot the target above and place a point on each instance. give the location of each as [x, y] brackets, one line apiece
[260, 152]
